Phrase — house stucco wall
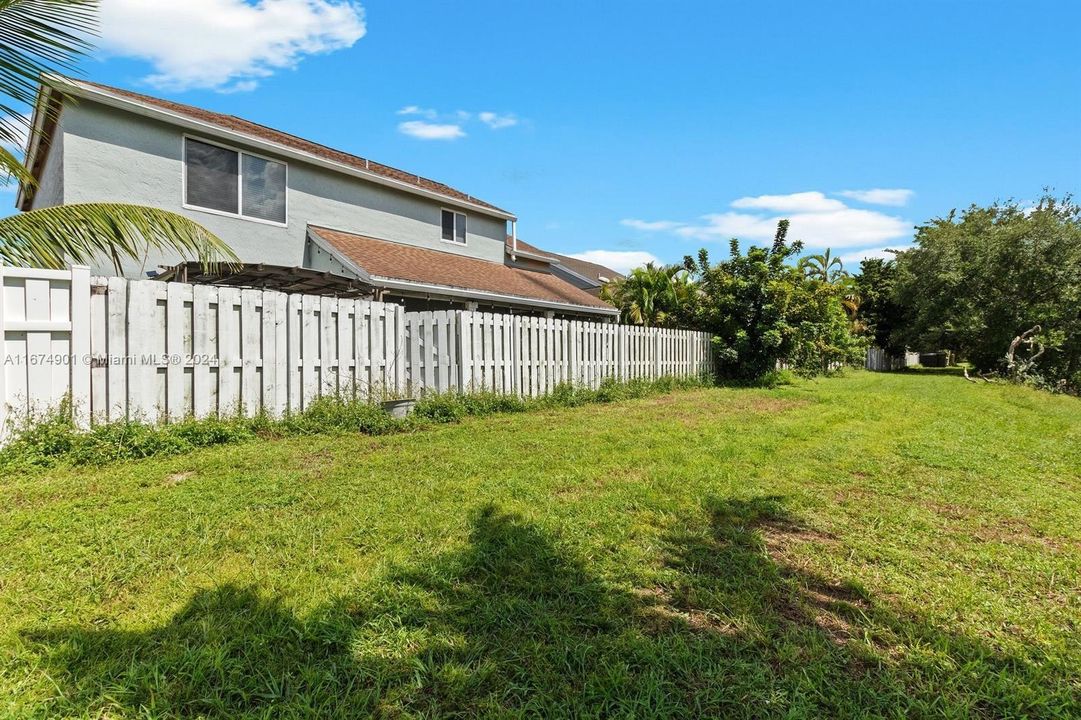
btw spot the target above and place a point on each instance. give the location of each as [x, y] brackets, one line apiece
[112, 155]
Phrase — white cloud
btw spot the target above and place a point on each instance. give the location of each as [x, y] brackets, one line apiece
[650, 226]
[838, 228]
[817, 220]
[895, 197]
[431, 131]
[439, 126]
[226, 45]
[417, 110]
[813, 201]
[498, 122]
[622, 261]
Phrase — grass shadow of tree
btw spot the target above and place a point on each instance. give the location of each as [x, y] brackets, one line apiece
[816, 646]
[515, 623]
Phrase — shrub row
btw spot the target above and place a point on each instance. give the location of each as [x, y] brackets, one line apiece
[53, 440]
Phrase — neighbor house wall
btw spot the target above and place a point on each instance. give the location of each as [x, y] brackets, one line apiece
[112, 155]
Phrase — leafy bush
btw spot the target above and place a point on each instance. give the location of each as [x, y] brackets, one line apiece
[777, 378]
[127, 441]
[568, 394]
[328, 414]
[487, 403]
[440, 408]
[762, 309]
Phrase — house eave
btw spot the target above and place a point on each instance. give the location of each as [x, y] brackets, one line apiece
[528, 255]
[575, 273]
[77, 89]
[498, 298]
[450, 290]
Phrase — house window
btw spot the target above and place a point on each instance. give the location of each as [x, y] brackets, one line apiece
[233, 182]
[454, 227]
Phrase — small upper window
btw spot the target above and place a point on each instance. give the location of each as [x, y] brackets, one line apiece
[454, 226]
[233, 182]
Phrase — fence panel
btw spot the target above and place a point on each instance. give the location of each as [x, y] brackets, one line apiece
[878, 360]
[152, 351]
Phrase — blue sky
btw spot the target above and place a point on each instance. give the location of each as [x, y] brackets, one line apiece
[649, 128]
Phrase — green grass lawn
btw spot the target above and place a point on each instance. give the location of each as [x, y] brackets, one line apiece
[903, 545]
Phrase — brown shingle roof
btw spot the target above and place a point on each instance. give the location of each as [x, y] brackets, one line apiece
[385, 259]
[236, 124]
[593, 271]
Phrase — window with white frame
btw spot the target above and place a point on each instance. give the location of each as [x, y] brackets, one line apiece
[229, 181]
[454, 227]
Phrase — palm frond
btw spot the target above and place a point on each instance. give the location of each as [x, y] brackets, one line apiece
[83, 233]
[12, 169]
[39, 36]
[36, 37]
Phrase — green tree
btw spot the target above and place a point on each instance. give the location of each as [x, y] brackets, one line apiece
[38, 37]
[881, 317]
[762, 309]
[979, 278]
[652, 295]
[824, 266]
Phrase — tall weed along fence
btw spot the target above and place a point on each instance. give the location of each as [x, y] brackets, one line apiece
[156, 352]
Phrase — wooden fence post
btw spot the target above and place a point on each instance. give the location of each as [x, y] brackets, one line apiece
[80, 345]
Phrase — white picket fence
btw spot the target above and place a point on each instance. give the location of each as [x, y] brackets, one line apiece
[157, 351]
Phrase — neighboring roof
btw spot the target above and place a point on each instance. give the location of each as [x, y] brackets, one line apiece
[593, 271]
[382, 259]
[528, 250]
[262, 133]
[589, 271]
[269, 277]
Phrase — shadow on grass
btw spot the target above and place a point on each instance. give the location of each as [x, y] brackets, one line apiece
[954, 370]
[514, 624]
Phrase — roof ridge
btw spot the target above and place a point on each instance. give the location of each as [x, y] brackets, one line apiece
[375, 166]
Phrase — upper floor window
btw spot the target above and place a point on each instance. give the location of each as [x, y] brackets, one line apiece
[454, 226]
[233, 182]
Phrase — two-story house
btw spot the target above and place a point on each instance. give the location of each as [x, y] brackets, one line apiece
[282, 202]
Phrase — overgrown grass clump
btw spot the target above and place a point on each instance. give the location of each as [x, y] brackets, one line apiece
[54, 440]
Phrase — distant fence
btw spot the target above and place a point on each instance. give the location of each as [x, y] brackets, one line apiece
[157, 351]
[879, 360]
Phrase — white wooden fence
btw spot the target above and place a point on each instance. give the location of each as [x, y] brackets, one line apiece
[469, 351]
[879, 360]
[157, 351]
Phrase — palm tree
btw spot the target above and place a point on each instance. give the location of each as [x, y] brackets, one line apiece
[38, 37]
[824, 267]
[850, 296]
[649, 294]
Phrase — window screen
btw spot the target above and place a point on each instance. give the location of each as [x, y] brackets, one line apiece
[459, 228]
[212, 176]
[448, 225]
[264, 189]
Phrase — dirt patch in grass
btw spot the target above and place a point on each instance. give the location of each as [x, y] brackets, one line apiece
[676, 409]
[174, 479]
[594, 483]
[660, 612]
[780, 537]
[1013, 531]
[951, 510]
